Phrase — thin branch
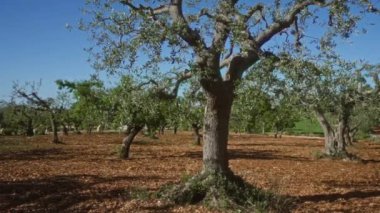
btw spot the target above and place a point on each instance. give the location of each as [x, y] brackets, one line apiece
[174, 9]
[280, 25]
[257, 8]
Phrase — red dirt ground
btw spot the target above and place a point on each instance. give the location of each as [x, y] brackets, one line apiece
[85, 175]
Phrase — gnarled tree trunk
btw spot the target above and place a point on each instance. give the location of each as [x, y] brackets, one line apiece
[196, 127]
[128, 140]
[330, 142]
[216, 125]
[340, 137]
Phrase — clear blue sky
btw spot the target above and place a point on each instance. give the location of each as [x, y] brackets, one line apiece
[34, 44]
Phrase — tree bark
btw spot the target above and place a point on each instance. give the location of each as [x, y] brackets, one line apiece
[340, 137]
[54, 128]
[347, 136]
[175, 129]
[128, 140]
[330, 142]
[65, 129]
[198, 136]
[29, 128]
[219, 97]
[162, 130]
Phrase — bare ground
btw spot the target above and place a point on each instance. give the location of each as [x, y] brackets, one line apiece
[85, 175]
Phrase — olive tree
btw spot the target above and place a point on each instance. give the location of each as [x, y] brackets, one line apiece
[191, 108]
[214, 41]
[136, 106]
[48, 105]
[331, 89]
[90, 107]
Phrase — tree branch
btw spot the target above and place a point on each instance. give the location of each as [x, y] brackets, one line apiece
[280, 25]
[180, 25]
[162, 92]
[190, 36]
[257, 8]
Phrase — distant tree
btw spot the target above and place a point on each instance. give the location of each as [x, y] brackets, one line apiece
[331, 89]
[90, 107]
[136, 107]
[192, 106]
[47, 105]
[18, 118]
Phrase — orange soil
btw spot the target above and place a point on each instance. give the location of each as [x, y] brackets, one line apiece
[85, 175]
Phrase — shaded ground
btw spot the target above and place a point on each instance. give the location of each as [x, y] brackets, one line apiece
[85, 175]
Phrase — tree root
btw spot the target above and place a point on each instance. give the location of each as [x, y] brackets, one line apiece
[345, 156]
[223, 192]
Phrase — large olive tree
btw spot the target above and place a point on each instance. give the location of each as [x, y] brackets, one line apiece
[215, 41]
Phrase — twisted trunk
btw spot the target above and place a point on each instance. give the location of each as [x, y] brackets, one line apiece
[341, 142]
[128, 140]
[198, 136]
[330, 142]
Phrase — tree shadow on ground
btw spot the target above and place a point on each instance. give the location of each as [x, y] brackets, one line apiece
[36, 154]
[336, 196]
[303, 145]
[59, 193]
[243, 154]
[353, 185]
[262, 155]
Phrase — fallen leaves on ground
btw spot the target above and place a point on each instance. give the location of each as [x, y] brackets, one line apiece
[85, 175]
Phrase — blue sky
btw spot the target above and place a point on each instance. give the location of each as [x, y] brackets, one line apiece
[35, 44]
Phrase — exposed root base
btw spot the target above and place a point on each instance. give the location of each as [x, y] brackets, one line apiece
[122, 153]
[345, 156]
[221, 191]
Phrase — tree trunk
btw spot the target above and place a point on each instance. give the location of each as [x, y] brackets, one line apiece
[29, 128]
[340, 137]
[175, 129]
[162, 130]
[198, 136]
[77, 131]
[330, 142]
[127, 141]
[352, 133]
[65, 129]
[276, 132]
[54, 128]
[219, 97]
[347, 136]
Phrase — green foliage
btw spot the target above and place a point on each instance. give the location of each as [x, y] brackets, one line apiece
[91, 107]
[191, 107]
[136, 105]
[140, 193]
[262, 104]
[306, 126]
